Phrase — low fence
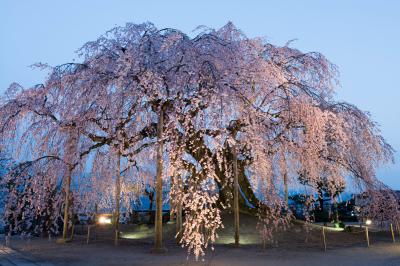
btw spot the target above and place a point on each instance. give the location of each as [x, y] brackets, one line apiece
[317, 236]
[362, 234]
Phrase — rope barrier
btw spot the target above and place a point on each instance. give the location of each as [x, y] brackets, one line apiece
[101, 233]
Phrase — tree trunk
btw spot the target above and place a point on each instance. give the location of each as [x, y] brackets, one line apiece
[67, 201]
[158, 246]
[248, 196]
[236, 195]
[196, 147]
[117, 198]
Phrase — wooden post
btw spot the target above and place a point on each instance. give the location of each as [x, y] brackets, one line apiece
[88, 235]
[398, 228]
[178, 222]
[158, 245]
[117, 198]
[283, 170]
[8, 238]
[236, 195]
[391, 230]
[178, 203]
[366, 235]
[116, 237]
[67, 201]
[324, 238]
[172, 219]
[72, 231]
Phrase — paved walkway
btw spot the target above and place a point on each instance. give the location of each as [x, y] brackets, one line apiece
[10, 257]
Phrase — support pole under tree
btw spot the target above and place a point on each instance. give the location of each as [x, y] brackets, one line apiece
[117, 198]
[172, 218]
[67, 202]
[72, 230]
[178, 222]
[366, 235]
[236, 195]
[88, 234]
[178, 214]
[158, 246]
[283, 168]
[391, 230]
[8, 236]
[171, 204]
[324, 238]
[398, 228]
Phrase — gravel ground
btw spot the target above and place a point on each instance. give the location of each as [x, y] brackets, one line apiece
[292, 247]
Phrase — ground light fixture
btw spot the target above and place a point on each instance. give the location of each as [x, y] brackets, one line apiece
[104, 219]
[338, 229]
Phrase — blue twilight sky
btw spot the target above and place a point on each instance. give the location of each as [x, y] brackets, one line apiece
[361, 37]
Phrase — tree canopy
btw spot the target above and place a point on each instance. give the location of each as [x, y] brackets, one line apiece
[222, 97]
